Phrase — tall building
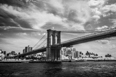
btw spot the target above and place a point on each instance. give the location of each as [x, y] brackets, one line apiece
[27, 49]
[63, 53]
[75, 54]
[23, 50]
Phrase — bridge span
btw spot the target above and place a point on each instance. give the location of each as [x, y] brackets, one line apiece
[55, 48]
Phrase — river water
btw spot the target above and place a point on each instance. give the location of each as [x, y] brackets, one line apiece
[65, 69]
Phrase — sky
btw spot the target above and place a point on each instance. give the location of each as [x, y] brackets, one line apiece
[24, 22]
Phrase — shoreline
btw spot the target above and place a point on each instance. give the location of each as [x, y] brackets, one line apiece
[57, 61]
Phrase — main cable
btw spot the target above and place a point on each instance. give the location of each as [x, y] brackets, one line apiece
[81, 31]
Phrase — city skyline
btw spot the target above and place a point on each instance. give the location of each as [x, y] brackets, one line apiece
[24, 22]
[65, 53]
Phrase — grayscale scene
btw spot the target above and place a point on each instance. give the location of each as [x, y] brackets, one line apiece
[57, 38]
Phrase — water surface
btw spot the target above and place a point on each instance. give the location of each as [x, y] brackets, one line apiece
[65, 69]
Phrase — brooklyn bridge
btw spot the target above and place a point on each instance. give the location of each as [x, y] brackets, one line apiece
[54, 44]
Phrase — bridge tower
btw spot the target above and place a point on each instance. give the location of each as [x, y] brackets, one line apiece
[53, 38]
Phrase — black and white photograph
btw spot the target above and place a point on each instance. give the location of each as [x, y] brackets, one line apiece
[57, 38]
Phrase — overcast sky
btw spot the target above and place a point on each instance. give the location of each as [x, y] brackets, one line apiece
[24, 22]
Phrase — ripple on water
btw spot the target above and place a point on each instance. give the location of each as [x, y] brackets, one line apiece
[75, 69]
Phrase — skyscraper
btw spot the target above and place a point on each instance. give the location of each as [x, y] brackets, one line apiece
[27, 49]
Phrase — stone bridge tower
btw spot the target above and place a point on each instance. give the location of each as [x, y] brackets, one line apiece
[53, 38]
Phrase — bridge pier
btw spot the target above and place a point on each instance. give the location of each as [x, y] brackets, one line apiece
[53, 37]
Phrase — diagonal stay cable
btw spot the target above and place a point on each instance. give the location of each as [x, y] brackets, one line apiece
[39, 41]
[43, 45]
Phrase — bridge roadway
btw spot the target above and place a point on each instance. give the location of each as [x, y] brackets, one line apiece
[87, 38]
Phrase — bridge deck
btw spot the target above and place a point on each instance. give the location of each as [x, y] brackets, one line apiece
[91, 37]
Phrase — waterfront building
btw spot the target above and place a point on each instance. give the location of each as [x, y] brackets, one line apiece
[2, 56]
[44, 54]
[11, 54]
[63, 54]
[0, 50]
[75, 54]
[70, 54]
[38, 55]
[23, 50]
[27, 49]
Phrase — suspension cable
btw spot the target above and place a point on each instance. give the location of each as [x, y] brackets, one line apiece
[39, 41]
[43, 43]
[81, 31]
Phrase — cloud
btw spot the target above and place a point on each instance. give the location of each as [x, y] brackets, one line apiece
[7, 27]
[19, 3]
[80, 9]
[108, 8]
[96, 13]
[101, 8]
[37, 18]
[102, 14]
[34, 17]
[97, 2]
[38, 13]
[102, 28]
[58, 12]
[57, 4]
[113, 46]
[110, 43]
[114, 23]
[104, 41]
[96, 6]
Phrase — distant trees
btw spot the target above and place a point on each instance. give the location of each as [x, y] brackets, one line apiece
[81, 53]
[13, 52]
[108, 55]
[87, 53]
[4, 52]
[90, 53]
[19, 53]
